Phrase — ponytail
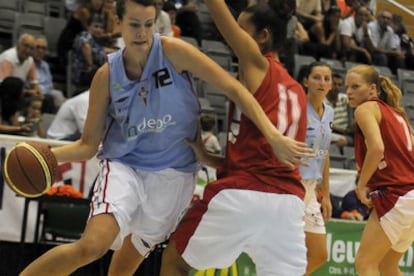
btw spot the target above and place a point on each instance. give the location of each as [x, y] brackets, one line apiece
[391, 94]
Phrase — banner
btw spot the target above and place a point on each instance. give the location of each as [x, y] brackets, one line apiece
[343, 242]
[79, 174]
[343, 238]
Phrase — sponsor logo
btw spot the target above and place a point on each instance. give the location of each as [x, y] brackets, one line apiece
[150, 125]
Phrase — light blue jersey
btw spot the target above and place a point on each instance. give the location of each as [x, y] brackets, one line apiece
[149, 119]
[318, 137]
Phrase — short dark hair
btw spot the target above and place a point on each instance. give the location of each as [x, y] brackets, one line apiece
[120, 6]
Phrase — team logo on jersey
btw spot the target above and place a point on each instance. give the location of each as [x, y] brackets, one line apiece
[143, 93]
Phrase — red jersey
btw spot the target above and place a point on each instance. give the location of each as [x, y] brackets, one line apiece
[397, 165]
[248, 153]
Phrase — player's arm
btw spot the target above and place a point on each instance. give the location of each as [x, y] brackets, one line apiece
[186, 57]
[252, 64]
[86, 147]
[368, 116]
[326, 199]
[202, 155]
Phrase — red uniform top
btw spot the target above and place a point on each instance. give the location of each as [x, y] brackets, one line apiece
[397, 165]
[248, 153]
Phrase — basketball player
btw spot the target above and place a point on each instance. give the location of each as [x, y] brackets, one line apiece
[318, 83]
[256, 205]
[385, 161]
[142, 106]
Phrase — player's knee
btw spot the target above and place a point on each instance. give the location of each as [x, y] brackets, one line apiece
[91, 250]
[362, 265]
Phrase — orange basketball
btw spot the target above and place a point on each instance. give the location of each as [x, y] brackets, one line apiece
[30, 169]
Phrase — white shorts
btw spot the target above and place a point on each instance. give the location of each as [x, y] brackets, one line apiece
[266, 226]
[314, 222]
[398, 223]
[147, 204]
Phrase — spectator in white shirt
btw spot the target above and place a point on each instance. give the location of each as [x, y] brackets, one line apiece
[383, 44]
[163, 22]
[70, 119]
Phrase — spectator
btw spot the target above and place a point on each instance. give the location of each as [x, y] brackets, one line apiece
[326, 5]
[18, 62]
[163, 21]
[11, 90]
[171, 9]
[353, 31]
[383, 44]
[210, 140]
[53, 97]
[79, 21]
[295, 36]
[406, 42]
[324, 36]
[188, 21]
[342, 125]
[309, 13]
[88, 52]
[70, 119]
[350, 7]
[353, 208]
[31, 113]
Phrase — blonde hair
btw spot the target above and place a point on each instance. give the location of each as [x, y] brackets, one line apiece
[387, 91]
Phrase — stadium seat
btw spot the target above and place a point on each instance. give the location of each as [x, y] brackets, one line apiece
[406, 79]
[53, 28]
[301, 60]
[31, 23]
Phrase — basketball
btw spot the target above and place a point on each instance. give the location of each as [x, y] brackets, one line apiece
[30, 169]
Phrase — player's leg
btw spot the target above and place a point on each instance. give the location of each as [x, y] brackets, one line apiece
[172, 262]
[315, 231]
[373, 247]
[389, 264]
[317, 253]
[126, 260]
[99, 234]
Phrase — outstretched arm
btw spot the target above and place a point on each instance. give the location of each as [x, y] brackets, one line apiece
[186, 57]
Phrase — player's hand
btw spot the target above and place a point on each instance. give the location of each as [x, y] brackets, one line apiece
[363, 195]
[291, 152]
[326, 207]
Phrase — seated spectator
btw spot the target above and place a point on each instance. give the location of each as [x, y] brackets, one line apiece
[406, 42]
[53, 97]
[170, 8]
[324, 37]
[326, 5]
[163, 21]
[88, 52]
[353, 208]
[210, 140]
[342, 124]
[31, 113]
[383, 44]
[350, 7]
[79, 21]
[309, 13]
[11, 91]
[295, 36]
[354, 32]
[70, 119]
[188, 21]
[18, 62]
